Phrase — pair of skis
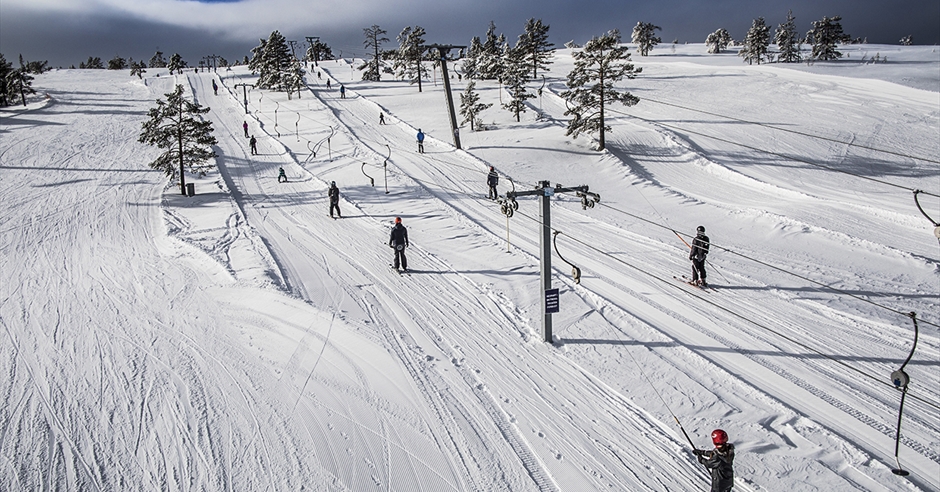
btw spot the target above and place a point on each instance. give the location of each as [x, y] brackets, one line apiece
[687, 280]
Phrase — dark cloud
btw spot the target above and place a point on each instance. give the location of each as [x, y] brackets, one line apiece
[67, 39]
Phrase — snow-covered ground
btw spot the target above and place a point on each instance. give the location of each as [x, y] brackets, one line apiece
[243, 340]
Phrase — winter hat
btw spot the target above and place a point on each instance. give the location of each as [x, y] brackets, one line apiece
[398, 220]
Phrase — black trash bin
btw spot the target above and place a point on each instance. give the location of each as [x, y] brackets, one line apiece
[190, 189]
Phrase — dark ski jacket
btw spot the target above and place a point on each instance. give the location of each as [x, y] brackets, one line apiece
[699, 248]
[420, 137]
[334, 194]
[492, 178]
[399, 236]
[719, 465]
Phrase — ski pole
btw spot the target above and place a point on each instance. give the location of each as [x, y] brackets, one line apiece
[683, 240]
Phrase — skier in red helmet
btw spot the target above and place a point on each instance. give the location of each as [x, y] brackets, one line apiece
[719, 461]
[399, 241]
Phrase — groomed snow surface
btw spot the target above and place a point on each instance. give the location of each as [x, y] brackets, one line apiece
[241, 339]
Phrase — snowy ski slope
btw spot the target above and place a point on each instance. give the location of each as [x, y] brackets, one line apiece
[243, 340]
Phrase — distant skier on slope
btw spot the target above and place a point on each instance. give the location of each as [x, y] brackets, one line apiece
[215, 88]
[245, 127]
[697, 255]
[334, 199]
[399, 241]
[342, 91]
[253, 143]
[420, 141]
[719, 461]
[281, 176]
[381, 118]
[492, 179]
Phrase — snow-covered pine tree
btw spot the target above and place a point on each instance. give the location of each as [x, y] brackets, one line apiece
[515, 76]
[92, 62]
[788, 41]
[19, 83]
[644, 35]
[471, 107]
[117, 63]
[319, 51]
[534, 43]
[138, 69]
[907, 40]
[36, 67]
[294, 77]
[157, 61]
[408, 60]
[257, 57]
[175, 126]
[824, 36]
[6, 68]
[718, 40]
[490, 59]
[274, 66]
[176, 64]
[374, 37]
[471, 59]
[602, 62]
[756, 42]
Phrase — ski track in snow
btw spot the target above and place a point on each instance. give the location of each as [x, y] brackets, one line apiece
[241, 340]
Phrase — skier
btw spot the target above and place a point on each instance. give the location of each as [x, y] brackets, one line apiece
[399, 241]
[697, 255]
[420, 141]
[334, 199]
[215, 88]
[381, 118]
[492, 179]
[281, 177]
[328, 84]
[719, 461]
[254, 145]
[342, 91]
[245, 127]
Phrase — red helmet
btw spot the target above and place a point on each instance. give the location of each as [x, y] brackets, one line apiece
[398, 221]
[719, 437]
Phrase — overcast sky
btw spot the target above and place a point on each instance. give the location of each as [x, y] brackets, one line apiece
[67, 32]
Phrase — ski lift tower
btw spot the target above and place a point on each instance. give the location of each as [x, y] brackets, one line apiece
[442, 50]
[316, 52]
[545, 192]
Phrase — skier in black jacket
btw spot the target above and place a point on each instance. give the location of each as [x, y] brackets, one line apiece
[334, 199]
[399, 241]
[697, 255]
[719, 461]
[492, 179]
